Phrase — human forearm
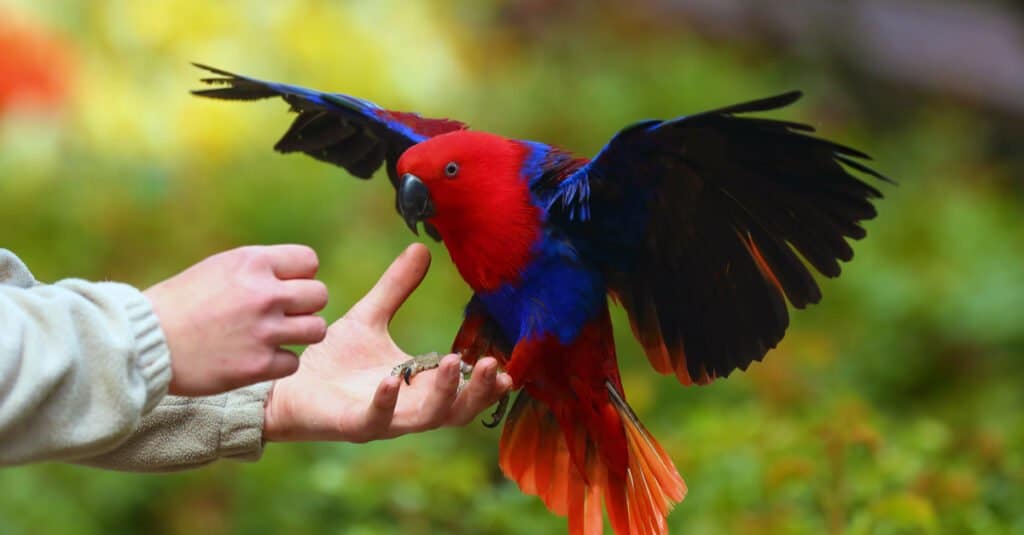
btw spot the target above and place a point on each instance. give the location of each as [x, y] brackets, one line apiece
[80, 363]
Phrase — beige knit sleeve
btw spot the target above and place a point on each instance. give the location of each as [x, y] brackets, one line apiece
[80, 364]
[183, 433]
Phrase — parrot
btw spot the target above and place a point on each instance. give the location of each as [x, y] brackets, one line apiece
[701, 227]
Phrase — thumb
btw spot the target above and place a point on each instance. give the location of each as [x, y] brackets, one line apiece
[403, 276]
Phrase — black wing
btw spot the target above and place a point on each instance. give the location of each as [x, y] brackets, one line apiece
[352, 133]
[696, 223]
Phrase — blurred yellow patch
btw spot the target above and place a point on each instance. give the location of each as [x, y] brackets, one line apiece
[905, 510]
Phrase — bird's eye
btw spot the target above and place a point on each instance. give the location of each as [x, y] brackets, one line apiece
[451, 169]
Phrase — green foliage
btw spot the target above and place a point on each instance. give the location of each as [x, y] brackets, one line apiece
[892, 407]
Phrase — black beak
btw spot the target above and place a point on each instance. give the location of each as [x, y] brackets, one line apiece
[414, 201]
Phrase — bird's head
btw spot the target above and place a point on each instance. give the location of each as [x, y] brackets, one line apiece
[470, 187]
[462, 178]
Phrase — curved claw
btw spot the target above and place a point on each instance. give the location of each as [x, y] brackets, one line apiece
[498, 414]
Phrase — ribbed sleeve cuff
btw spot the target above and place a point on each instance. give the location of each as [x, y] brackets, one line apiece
[153, 357]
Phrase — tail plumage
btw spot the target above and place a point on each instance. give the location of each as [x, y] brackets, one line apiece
[654, 485]
[561, 462]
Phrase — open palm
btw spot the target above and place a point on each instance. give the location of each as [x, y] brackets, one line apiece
[343, 389]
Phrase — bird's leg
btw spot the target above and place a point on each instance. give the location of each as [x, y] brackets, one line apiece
[499, 412]
[415, 365]
[429, 361]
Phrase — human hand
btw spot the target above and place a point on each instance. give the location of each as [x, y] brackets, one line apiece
[344, 390]
[226, 318]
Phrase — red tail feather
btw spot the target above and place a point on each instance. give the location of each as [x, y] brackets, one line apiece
[535, 453]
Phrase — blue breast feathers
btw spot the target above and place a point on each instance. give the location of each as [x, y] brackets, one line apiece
[556, 295]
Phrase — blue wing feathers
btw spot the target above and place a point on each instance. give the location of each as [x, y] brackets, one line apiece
[340, 129]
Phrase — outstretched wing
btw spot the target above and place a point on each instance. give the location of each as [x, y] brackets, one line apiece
[353, 133]
[697, 222]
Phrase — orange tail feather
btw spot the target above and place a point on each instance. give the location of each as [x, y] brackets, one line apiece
[535, 454]
[654, 485]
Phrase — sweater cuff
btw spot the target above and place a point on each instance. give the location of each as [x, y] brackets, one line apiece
[153, 357]
[241, 433]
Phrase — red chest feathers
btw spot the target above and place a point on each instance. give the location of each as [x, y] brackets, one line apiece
[485, 214]
[494, 240]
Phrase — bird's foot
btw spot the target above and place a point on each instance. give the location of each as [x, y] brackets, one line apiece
[499, 412]
[421, 363]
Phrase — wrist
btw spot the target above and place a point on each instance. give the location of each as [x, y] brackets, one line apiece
[269, 417]
[275, 428]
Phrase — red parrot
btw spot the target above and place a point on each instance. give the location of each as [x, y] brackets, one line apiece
[693, 225]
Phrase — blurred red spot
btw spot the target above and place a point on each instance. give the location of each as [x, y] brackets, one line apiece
[35, 67]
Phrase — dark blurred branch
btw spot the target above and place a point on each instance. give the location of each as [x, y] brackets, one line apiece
[969, 50]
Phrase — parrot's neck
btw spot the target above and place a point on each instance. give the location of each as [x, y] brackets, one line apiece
[493, 227]
[489, 252]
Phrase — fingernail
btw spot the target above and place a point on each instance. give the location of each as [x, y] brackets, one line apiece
[408, 249]
[451, 365]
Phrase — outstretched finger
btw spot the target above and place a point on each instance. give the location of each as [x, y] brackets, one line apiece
[394, 286]
[482, 391]
[486, 386]
[381, 410]
[437, 405]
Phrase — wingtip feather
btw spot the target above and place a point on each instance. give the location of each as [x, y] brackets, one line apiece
[773, 102]
[213, 69]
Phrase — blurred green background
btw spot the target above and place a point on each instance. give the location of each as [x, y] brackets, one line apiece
[895, 406]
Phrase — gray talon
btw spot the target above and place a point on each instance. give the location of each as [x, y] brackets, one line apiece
[498, 414]
[412, 367]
